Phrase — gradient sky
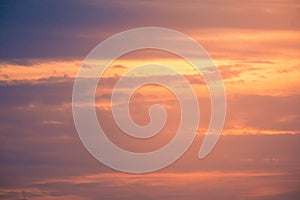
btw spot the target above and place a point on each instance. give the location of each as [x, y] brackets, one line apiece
[256, 46]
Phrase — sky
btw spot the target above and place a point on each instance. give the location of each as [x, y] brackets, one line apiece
[256, 47]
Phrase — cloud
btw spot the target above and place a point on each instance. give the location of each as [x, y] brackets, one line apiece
[47, 91]
[264, 112]
[45, 30]
[119, 67]
[234, 185]
[37, 152]
[41, 154]
[245, 111]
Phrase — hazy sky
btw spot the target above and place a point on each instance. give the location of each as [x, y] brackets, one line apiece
[256, 46]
